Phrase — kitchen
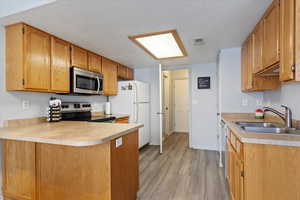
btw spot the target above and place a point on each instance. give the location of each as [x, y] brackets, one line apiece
[249, 67]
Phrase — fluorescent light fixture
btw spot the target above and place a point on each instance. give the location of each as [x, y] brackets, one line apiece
[161, 45]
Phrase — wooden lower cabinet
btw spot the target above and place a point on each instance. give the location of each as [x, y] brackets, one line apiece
[36, 171]
[124, 168]
[19, 170]
[235, 174]
[263, 172]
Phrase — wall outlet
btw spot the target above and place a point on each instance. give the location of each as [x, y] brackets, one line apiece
[259, 102]
[25, 104]
[119, 142]
[244, 102]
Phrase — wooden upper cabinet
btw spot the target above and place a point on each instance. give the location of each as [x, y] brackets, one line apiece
[110, 77]
[94, 62]
[60, 65]
[122, 71]
[247, 64]
[250, 62]
[244, 73]
[130, 74]
[79, 57]
[37, 59]
[258, 34]
[271, 35]
[287, 39]
[27, 58]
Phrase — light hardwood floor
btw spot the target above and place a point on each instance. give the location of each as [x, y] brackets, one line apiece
[180, 173]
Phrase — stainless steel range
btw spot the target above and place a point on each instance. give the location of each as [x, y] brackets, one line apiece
[82, 111]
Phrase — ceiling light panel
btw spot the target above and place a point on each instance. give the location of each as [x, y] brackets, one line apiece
[162, 45]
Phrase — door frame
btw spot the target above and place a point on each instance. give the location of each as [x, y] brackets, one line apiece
[166, 112]
[173, 68]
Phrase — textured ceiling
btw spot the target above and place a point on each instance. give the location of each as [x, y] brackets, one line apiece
[103, 26]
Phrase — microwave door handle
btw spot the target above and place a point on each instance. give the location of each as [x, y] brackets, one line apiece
[98, 80]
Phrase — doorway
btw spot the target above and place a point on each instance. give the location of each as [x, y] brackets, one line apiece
[175, 102]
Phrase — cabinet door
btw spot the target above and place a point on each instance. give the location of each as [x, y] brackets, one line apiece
[244, 76]
[130, 74]
[258, 47]
[79, 57]
[19, 169]
[37, 59]
[250, 63]
[94, 62]
[239, 179]
[271, 36]
[73, 173]
[287, 39]
[110, 79]
[60, 65]
[122, 71]
[125, 168]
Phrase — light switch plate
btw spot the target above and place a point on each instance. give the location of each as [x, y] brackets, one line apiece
[119, 142]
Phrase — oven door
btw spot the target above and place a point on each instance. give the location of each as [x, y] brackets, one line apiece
[86, 82]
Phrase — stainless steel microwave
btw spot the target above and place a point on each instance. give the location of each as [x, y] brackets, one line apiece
[86, 82]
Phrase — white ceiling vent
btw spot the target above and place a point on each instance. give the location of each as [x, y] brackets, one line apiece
[198, 41]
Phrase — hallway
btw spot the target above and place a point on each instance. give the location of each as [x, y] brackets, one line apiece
[180, 173]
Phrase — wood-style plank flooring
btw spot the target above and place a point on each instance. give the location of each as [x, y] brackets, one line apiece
[180, 173]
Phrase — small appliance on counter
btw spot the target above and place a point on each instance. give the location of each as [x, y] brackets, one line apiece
[259, 114]
[54, 110]
[107, 108]
[82, 111]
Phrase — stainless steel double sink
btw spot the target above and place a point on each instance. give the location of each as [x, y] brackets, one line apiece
[263, 127]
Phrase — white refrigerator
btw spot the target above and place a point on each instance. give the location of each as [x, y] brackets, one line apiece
[134, 99]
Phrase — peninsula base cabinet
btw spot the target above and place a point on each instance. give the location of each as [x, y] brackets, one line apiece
[262, 172]
[37, 171]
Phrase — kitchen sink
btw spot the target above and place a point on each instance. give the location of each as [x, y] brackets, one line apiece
[260, 124]
[263, 127]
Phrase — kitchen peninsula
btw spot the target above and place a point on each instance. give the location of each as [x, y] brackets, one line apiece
[70, 160]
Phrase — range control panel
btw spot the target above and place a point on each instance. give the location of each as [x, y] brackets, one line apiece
[75, 107]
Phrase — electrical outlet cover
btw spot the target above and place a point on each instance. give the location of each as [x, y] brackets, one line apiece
[119, 142]
[25, 104]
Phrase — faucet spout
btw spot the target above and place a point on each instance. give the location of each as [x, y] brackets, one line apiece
[286, 117]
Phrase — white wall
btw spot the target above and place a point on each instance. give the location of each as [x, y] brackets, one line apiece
[288, 94]
[203, 108]
[151, 76]
[203, 130]
[231, 98]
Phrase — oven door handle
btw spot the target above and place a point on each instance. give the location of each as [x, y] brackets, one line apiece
[98, 89]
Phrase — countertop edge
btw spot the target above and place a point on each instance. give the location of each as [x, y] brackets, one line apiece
[85, 143]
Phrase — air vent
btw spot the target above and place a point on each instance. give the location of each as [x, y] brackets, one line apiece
[198, 42]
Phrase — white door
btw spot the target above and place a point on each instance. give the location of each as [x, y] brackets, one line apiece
[166, 104]
[181, 105]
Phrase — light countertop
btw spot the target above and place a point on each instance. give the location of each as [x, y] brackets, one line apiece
[258, 138]
[69, 133]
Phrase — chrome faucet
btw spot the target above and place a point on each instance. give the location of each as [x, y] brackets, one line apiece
[286, 116]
